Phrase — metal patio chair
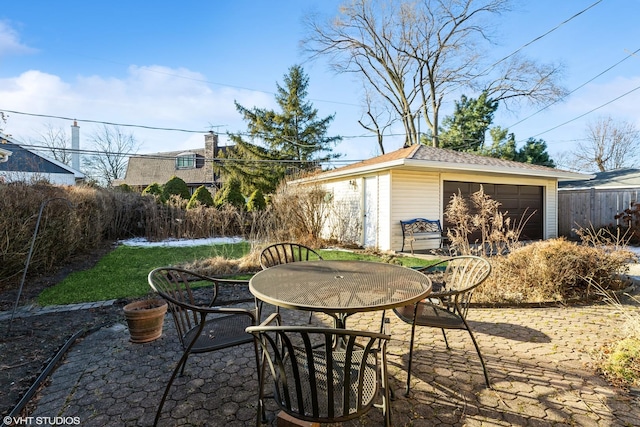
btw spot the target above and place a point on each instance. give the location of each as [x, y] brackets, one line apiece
[203, 323]
[284, 253]
[316, 382]
[448, 304]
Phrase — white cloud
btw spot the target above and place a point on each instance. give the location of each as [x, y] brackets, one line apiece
[10, 41]
[154, 96]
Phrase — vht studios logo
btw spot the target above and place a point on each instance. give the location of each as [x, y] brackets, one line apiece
[39, 421]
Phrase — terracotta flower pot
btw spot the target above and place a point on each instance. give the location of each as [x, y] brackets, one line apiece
[145, 319]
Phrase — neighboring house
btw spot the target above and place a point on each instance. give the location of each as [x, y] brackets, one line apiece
[195, 167]
[372, 197]
[24, 164]
[596, 202]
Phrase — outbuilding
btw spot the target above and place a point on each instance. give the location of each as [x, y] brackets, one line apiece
[371, 197]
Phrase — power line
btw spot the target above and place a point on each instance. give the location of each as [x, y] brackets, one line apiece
[102, 122]
[160, 156]
[588, 112]
[539, 37]
[49, 116]
[576, 89]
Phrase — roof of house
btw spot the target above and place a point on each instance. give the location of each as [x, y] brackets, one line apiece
[26, 160]
[420, 157]
[619, 178]
[146, 169]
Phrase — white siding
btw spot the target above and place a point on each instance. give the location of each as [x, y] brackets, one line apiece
[413, 195]
[29, 177]
[385, 205]
[344, 221]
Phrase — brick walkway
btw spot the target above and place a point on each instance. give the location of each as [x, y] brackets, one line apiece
[539, 359]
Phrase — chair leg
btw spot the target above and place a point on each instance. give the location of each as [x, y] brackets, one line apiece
[261, 417]
[386, 406]
[446, 342]
[179, 368]
[475, 344]
[310, 316]
[413, 333]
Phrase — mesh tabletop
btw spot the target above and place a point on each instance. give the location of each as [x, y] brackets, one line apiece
[339, 286]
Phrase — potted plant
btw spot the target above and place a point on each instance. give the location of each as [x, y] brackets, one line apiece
[145, 319]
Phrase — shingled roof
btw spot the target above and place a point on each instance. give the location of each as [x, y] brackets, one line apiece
[427, 157]
[160, 168]
[146, 169]
[619, 178]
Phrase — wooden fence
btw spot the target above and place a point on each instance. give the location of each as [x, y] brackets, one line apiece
[597, 207]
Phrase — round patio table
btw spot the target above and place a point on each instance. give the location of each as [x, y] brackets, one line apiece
[339, 288]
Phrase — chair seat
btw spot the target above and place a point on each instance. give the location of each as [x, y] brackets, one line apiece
[430, 315]
[220, 332]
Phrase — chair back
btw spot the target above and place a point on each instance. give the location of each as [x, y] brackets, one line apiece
[284, 253]
[317, 382]
[454, 284]
[458, 274]
[189, 296]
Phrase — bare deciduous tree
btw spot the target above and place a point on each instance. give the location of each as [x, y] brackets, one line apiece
[417, 54]
[379, 118]
[608, 145]
[57, 143]
[113, 147]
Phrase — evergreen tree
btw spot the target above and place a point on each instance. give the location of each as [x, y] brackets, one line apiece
[256, 201]
[201, 197]
[175, 187]
[534, 151]
[467, 127]
[503, 145]
[230, 193]
[154, 189]
[465, 130]
[279, 143]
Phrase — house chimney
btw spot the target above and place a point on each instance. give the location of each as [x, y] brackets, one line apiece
[75, 146]
[210, 154]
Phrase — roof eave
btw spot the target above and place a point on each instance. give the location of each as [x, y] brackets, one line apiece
[504, 170]
[338, 173]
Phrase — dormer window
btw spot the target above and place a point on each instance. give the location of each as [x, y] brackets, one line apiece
[186, 161]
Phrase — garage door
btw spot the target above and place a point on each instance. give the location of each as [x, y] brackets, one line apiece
[517, 200]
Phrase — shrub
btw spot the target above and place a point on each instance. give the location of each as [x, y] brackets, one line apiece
[620, 361]
[230, 194]
[256, 201]
[154, 189]
[552, 270]
[175, 187]
[201, 197]
[125, 188]
[481, 214]
[299, 213]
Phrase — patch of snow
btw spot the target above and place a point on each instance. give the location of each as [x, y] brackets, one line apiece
[142, 242]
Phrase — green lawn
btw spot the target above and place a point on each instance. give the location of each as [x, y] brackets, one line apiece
[123, 272]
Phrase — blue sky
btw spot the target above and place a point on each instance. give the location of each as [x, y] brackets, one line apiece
[182, 64]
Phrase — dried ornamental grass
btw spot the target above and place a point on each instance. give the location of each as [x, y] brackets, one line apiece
[552, 270]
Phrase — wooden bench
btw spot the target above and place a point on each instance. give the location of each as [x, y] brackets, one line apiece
[421, 229]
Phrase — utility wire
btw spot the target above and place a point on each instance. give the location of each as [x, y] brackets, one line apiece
[539, 37]
[576, 89]
[49, 116]
[588, 112]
